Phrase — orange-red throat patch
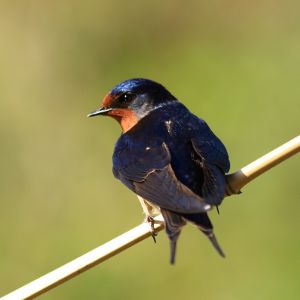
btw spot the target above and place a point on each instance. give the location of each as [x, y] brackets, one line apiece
[127, 118]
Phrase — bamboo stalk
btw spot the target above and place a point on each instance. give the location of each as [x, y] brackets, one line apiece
[235, 182]
[243, 176]
[85, 262]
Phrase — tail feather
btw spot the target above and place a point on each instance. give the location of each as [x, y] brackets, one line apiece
[202, 221]
[215, 243]
[173, 251]
[174, 224]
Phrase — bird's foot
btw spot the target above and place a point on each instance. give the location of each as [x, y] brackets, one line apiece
[151, 222]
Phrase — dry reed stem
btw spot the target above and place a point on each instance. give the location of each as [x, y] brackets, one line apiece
[235, 182]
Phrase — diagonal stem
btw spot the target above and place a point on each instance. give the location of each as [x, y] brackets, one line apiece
[243, 176]
[235, 182]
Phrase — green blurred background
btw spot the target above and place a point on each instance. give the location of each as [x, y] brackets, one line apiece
[234, 63]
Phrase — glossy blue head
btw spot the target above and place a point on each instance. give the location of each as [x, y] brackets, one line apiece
[133, 99]
[151, 91]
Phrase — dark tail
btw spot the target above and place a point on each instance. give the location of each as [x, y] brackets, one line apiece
[215, 243]
[202, 221]
[173, 226]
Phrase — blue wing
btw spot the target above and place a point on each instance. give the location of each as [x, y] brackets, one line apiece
[147, 171]
[214, 161]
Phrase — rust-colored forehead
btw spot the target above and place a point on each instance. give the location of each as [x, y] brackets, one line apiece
[108, 99]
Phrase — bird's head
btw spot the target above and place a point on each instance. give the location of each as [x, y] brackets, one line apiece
[133, 99]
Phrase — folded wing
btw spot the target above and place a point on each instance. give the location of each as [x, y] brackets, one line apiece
[150, 175]
[212, 157]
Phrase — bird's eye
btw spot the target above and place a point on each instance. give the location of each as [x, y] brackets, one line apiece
[125, 98]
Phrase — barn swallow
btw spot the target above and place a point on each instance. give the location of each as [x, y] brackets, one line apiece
[166, 155]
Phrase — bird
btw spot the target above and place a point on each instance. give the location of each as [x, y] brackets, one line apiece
[167, 156]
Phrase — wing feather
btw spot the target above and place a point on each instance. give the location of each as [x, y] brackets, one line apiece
[150, 175]
[163, 189]
[214, 163]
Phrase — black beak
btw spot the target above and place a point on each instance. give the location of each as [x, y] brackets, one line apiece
[100, 111]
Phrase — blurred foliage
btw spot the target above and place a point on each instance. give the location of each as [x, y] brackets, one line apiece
[234, 63]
